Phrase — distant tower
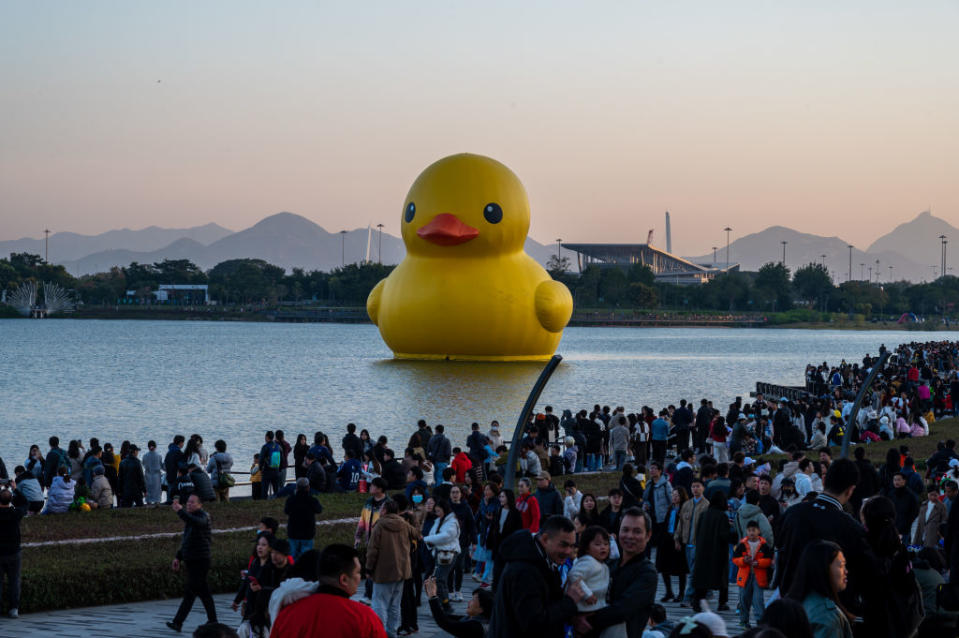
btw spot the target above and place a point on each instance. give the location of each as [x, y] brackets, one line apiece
[669, 236]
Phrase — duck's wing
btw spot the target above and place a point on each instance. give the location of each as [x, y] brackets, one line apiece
[554, 305]
[373, 301]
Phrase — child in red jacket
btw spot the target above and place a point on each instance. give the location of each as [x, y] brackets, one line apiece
[461, 464]
[754, 558]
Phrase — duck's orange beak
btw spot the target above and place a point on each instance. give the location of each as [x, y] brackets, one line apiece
[447, 230]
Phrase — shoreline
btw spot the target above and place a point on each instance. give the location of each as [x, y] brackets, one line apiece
[358, 316]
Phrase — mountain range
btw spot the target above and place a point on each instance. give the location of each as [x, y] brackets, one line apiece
[912, 249]
[293, 241]
[284, 239]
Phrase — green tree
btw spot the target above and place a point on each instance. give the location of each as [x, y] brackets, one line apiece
[772, 286]
[557, 266]
[642, 274]
[813, 284]
[612, 286]
[640, 295]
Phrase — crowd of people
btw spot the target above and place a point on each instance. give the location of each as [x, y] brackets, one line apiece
[816, 546]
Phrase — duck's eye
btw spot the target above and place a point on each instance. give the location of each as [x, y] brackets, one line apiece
[410, 212]
[493, 213]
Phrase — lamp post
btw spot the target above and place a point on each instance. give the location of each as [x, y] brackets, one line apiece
[823, 260]
[784, 242]
[878, 271]
[343, 247]
[559, 242]
[728, 230]
[942, 270]
[715, 248]
[46, 247]
[862, 271]
[379, 250]
[850, 262]
[890, 273]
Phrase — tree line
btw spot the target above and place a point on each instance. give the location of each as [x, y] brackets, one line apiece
[772, 289]
[232, 282]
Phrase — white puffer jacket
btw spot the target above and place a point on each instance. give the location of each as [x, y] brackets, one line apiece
[445, 535]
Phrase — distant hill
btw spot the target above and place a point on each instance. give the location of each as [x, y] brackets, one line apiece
[756, 249]
[293, 241]
[918, 238]
[67, 246]
[284, 239]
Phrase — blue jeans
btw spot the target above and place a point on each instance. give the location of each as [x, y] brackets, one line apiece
[620, 459]
[438, 472]
[751, 596]
[690, 562]
[386, 603]
[300, 547]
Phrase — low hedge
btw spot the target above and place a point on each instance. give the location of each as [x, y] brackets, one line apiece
[151, 520]
[69, 575]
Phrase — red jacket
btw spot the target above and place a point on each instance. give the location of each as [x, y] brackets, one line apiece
[327, 614]
[528, 508]
[461, 464]
[764, 560]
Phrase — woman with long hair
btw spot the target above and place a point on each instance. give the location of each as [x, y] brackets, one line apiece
[299, 455]
[669, 560]
[444, 540]
[467, 537]
[821, 576]
[589, 510]
[892, 601]
[506, 520]
[488, 508]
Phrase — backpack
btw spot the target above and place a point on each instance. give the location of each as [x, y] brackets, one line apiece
[273, 460]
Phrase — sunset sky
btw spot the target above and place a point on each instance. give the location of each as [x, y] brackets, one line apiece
[831, 118]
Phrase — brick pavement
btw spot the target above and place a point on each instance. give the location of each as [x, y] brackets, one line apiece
[146, 620]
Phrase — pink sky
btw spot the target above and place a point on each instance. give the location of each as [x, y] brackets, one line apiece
[831, 119]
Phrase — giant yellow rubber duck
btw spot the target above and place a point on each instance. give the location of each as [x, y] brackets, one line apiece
[466, 289]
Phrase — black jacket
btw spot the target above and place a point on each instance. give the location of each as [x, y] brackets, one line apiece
[495, 537]
[9, 530]
[132, 484]
[823, 519]
[438, 449]
[316, 475]
[202, 486]
[907, 508]
[197, 536]
[610, 520]
[353, 443]
[550, 502]
[632, 592]
[302, 509]
[529, 595]
[171, 463]
[458, 626]
[394, 475]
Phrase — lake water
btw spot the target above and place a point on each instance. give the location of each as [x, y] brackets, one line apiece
[139, 380]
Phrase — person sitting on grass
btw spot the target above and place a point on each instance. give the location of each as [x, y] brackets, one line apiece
[61, 492]
[101, 494]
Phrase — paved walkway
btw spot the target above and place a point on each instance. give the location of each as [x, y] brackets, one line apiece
[136, 620]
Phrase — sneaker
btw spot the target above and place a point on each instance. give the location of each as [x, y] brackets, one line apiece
[14, 613]
[175, 627]
[667, 598]
[457, 597]
[366, 601]
[476, 577]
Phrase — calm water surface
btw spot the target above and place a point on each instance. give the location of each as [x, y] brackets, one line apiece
[150, 379]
